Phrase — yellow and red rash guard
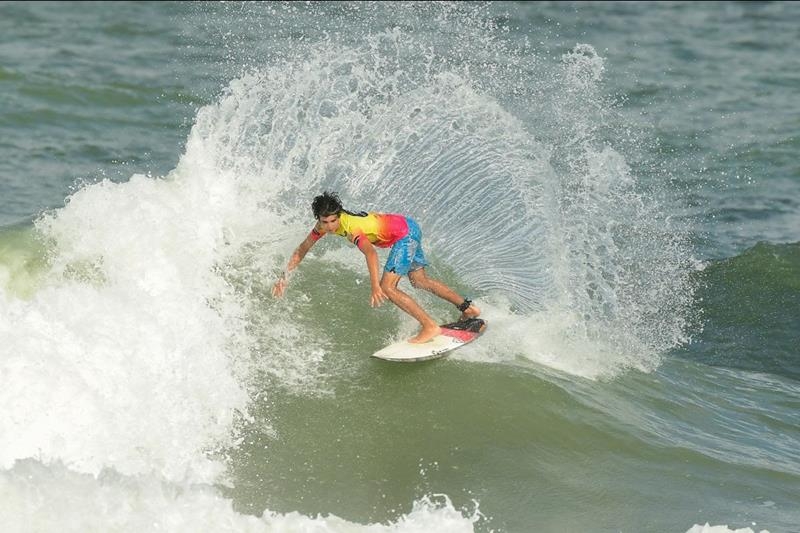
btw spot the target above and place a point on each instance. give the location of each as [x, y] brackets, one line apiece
[381, 229]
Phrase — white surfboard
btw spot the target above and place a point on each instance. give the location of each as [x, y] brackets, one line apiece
[453, 336]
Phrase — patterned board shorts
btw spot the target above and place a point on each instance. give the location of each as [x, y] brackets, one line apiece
[406, 254]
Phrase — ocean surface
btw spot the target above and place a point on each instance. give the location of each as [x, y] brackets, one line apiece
[616, 185]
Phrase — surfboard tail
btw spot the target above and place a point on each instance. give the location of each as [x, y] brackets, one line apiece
[465, 330]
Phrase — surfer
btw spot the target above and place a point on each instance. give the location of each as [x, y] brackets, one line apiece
[406, 258]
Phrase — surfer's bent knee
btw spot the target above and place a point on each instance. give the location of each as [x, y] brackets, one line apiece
[389, 284]
[418, 279]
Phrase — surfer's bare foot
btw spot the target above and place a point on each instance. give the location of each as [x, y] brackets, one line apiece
[471, 312]
[425, 334]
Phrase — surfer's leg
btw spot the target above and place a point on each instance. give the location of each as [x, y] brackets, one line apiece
[415, 268]
[420, 280]
[429, 327]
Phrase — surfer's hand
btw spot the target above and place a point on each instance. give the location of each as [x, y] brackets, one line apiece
[377, 297]
[280, 287]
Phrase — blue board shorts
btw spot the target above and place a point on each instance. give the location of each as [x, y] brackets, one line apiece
[406, 254]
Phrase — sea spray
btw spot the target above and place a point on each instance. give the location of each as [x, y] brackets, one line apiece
[548, 226]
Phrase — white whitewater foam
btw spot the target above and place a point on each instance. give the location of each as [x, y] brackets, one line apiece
[707, 528]
[35, 497]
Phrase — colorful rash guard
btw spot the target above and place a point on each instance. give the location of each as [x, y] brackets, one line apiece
[400, 233]
[381, 229]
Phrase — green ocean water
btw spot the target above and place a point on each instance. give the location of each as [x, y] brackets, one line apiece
[614, 183]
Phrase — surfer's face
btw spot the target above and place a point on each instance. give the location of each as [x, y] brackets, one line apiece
[329, 223]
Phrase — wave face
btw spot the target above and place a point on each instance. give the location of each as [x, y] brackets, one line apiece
[751, 310]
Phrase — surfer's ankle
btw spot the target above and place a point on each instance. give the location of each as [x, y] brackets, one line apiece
[468, 309]
[470, 312]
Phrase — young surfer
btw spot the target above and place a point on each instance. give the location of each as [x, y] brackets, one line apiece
[406, 258]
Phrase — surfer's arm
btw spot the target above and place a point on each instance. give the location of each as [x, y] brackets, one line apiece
[377, 296]
[300, 252]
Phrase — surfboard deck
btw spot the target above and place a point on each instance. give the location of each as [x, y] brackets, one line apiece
[453, 335]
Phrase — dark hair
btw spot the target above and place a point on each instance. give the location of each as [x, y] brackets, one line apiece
[326, 204]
